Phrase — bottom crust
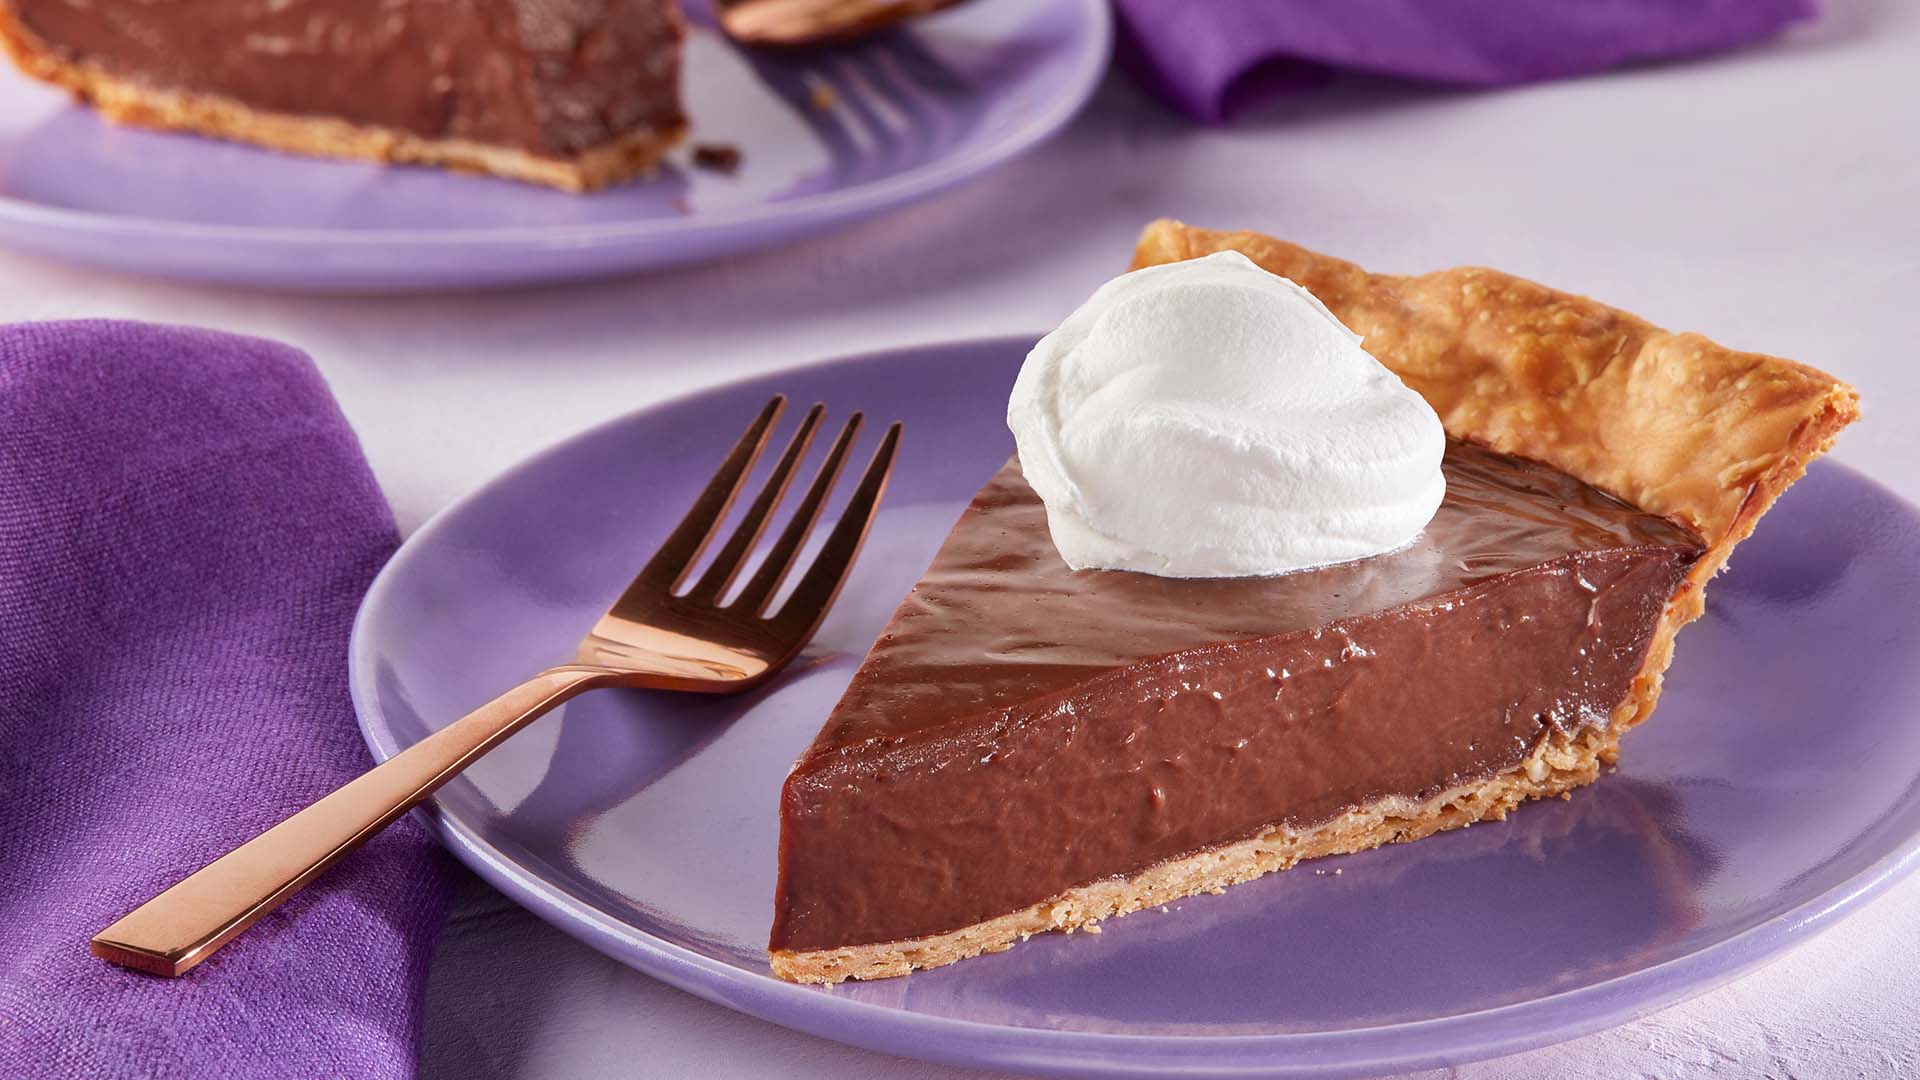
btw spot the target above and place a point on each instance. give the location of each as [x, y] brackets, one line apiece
[628, 156]
[1559, 765]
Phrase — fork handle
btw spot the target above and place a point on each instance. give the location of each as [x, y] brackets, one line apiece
[174, 931]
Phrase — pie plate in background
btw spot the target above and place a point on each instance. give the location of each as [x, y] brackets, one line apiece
[826, 136]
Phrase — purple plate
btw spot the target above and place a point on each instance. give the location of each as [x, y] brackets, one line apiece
[1778, 787]
[912, 112]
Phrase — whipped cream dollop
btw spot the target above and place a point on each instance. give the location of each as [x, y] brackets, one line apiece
[1210, 419]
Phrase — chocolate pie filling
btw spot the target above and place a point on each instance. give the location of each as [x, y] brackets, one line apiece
[1062, 726]
[549, 78]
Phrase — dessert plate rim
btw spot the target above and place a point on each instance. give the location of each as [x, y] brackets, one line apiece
[677, 239]
[1451, 1038]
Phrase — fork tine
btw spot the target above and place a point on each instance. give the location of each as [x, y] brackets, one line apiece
[923, 69]
[689, 538]
[816, 591]
[760, 588]
[726, 565]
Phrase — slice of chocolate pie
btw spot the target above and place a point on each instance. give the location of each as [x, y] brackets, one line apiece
[1030, 747]
[574, 95]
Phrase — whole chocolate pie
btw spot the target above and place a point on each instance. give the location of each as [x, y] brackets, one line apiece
[574, 95]
[1030, 747]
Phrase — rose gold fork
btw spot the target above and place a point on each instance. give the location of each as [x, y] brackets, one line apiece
[654, 636]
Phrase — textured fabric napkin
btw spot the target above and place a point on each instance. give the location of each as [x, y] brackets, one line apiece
[186, 527]
[1213, 57]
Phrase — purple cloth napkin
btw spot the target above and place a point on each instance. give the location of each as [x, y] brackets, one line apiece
[1210, 59]
[186, 527]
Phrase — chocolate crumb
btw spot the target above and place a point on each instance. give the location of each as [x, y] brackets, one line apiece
[822, 98]
[717, 157]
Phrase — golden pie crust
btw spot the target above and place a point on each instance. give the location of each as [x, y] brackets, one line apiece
[1701, 434]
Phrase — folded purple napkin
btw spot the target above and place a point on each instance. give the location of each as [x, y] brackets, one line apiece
[186, 526]
[1210, 59]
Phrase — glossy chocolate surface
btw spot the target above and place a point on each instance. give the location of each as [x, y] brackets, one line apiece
[1020, 728]
[551, 78]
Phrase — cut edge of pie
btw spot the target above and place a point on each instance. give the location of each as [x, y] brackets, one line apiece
[1674, 424]
[629, 155]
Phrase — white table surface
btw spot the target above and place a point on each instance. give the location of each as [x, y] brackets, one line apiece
[1770, 200]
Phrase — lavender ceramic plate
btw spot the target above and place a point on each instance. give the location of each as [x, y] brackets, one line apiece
[911, 113]
[1778, 787]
